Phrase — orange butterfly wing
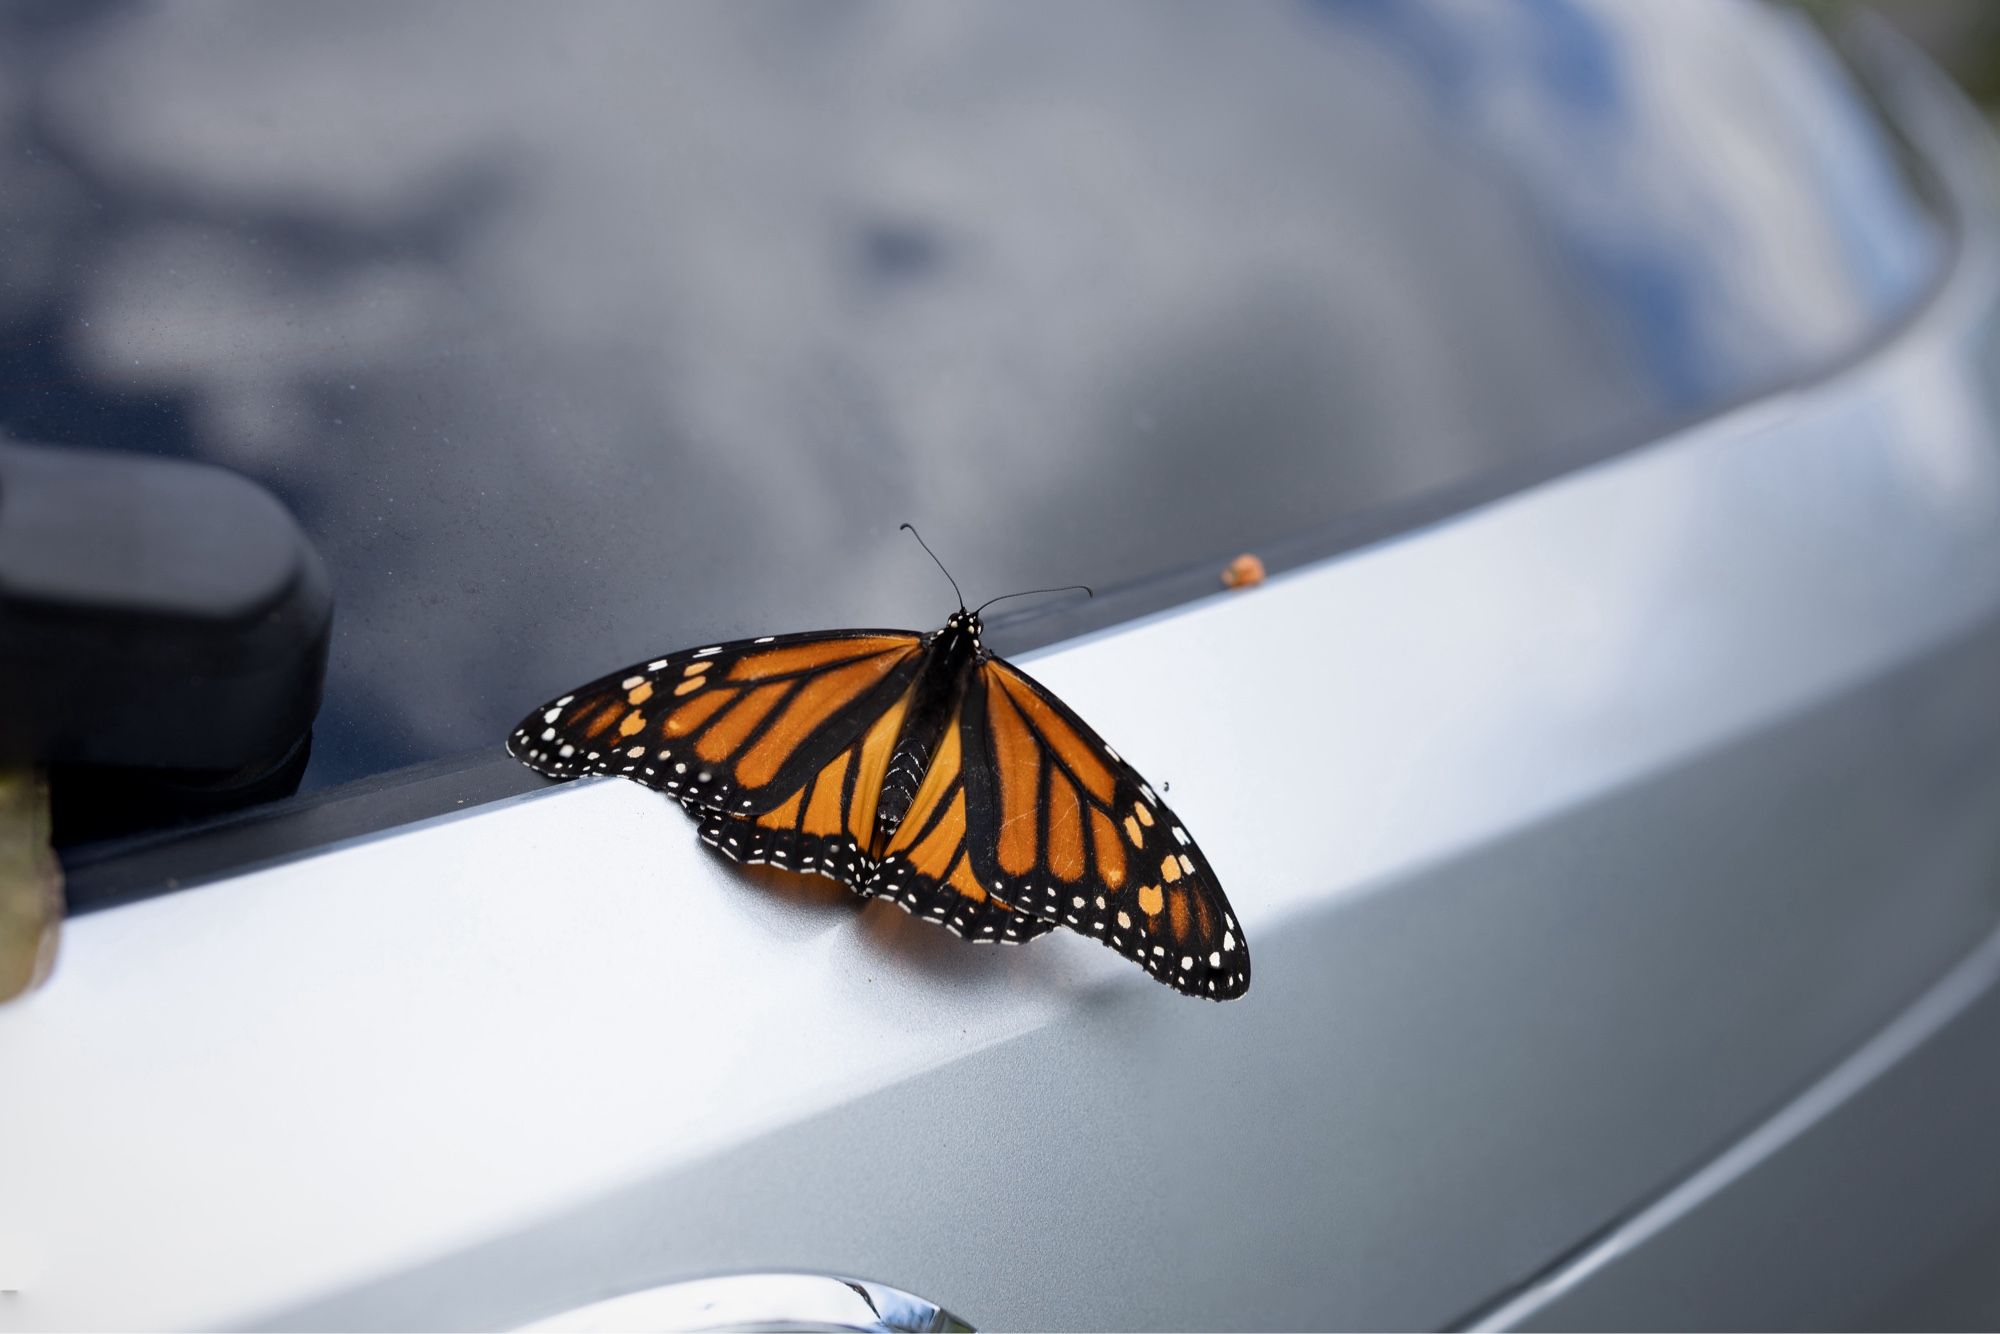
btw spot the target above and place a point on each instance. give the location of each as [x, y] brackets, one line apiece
[1059, 826]
[1024, 820]
[827, 828]
[736, 727]
[927, 869]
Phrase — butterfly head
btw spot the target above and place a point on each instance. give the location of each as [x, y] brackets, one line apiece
[965, 623]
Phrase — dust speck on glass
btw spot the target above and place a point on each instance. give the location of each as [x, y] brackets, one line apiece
[578, 334]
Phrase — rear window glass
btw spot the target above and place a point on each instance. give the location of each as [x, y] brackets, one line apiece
[577, 333]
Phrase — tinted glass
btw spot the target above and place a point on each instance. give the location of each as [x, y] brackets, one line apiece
[577, 333]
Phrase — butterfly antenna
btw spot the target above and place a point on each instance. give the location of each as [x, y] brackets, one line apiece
[940, 564]
[1030, 592]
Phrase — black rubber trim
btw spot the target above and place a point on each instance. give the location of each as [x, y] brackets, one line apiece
[114, 873]
[104, 875]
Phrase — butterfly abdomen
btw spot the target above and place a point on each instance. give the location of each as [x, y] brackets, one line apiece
[899, 786]
[934, 698]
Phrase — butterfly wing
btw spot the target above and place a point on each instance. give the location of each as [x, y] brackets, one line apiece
[739, 727]
[826, 824]
[780, 746]
[1060, 827]
[926, 868]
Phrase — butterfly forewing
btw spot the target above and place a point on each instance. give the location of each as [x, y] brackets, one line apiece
[1059, 826]
[737, 727]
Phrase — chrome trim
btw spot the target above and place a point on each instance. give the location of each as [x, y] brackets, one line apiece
[762, 1301]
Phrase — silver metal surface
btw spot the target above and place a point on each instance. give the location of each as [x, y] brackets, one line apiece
[765, 1302]
[1573, 837]
[1831, 1214]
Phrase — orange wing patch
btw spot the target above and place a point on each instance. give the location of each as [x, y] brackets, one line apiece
[594, 725]
[734, 727]
[1018, 762]
[785, 816]
[872, 765]
[811, 657]
[1082, 759]
[831, 804]
[942, 846]
[965, 882]
[823, 814]
[938, 782]
[815, 701]
[1110, 852]
[1065, 830]
[694, 713]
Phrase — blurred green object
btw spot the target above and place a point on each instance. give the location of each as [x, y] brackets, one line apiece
[31, 900]
[1963, 36]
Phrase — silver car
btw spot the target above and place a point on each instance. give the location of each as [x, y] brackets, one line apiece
[1606, 775]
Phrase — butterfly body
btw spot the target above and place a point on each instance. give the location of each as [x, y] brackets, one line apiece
[919, 768]
[943, 675]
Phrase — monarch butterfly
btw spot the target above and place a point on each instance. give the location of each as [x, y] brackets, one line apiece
[919, 768]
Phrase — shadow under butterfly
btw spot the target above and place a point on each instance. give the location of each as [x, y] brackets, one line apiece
[918, 768]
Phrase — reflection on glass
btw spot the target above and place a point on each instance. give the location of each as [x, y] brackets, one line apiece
[578, 333]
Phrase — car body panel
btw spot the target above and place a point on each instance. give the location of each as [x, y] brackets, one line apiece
[1526, 816]
[1831, 1214]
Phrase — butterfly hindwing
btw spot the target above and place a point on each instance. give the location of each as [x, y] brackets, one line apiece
[1062, 828]
[824, 829]
[926, 869]
[735, 727]
[824, 826]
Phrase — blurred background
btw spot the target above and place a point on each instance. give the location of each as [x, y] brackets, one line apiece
[570, 341]
[1963, 36]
